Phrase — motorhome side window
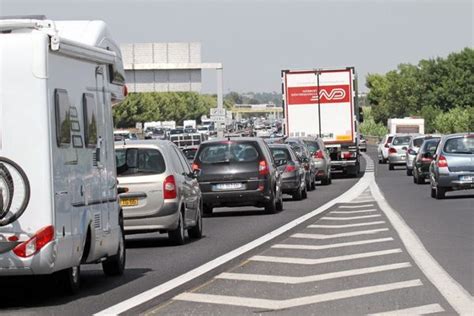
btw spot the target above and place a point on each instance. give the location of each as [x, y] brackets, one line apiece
[63, 119]
[90, 120]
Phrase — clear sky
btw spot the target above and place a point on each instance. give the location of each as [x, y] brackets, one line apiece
[256, 39]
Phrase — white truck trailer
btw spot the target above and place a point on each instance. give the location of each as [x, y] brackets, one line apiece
[407, 125]
[58, 187]
[323, 103]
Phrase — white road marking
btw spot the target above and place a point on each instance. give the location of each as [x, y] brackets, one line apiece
[330, 236]
[161, 289]
[311, 278]
[354, 212]
[348, 218]
[355, 206]
[419, 310]
[269, 304]
[305, 261]
[362, 200]
[347, 225]
[452, 291]
[330, 246]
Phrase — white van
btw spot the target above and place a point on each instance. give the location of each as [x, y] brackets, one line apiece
[58, 187]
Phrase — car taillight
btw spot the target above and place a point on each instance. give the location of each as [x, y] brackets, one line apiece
[35, 243]
[442, 162]
[290, 168]
[169, 188]
[318, 154]
[392, 150]
[195, 166]
[425, 159]
[262, 168]
[349, 154]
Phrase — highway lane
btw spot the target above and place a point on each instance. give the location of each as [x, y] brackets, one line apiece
[152, 260]
[445, 227]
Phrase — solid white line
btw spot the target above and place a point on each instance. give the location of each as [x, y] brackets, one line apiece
[348, 218]
[324, 260]
[452, 291]
[330, 246]
[152, 293]
[346, 225]
[419, 310]
[269, 304]
[330, 236]
[356, 206]
[311, 278]
[354, 212]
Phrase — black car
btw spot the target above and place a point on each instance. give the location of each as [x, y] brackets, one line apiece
[421, 166]
[303, 153]
[293, 179]
[238, 172]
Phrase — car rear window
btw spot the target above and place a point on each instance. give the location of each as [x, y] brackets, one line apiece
[312, 146]
[228, 151]
[430, 146]
[190, 153]
[139, 161]
[389, 139]
[280, 153]
[461, 145]
[418, 142]
[401, 140]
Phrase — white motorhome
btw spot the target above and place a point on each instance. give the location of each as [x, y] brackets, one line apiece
[58, 192]
[408, 125]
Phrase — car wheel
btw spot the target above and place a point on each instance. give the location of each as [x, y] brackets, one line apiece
[420, 180]
[409, 172]
[313, 183]
[271, 207]
[115, 265]
[433, 192]
[177, 235]
[391, 167]
[196, 231]
[308, 185]
[304, 194]
[440, 193]
[69, 280]
[207, 210]
[279, 205]
[298, 195]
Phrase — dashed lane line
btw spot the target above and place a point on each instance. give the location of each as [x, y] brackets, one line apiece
[356, 206]
[305, 261]
[269, 304]
[311, 278]
[347, 225]
[419, 310]
[331, 236]
[354, 212]
[331, 246]
[349, 218]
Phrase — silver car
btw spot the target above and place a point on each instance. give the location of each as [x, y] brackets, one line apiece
[321, 159]
[382, 148]
[398, 150]
[162, 192]
[452, 167]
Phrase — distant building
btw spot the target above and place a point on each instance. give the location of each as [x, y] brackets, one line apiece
[163, 67]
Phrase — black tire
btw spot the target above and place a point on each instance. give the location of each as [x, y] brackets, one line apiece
[279, 204]
[69, 280]
[440, 193]
[7, 178]
[420, 180]
[304, 193]
[326, 180]
[271, 207]
[313, 184]
[409, 172]
[391, 167]
[298, 195]
[433, 193]
[196, 231]
[115, 265]
[414, 179]
[207, 210]
[177, 236]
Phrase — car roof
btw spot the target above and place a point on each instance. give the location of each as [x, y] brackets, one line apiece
[149, 143]
[219, 140]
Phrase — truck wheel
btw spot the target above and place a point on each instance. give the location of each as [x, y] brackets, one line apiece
[196, 231]
[177, 235]
[69, 280]
[115, 265]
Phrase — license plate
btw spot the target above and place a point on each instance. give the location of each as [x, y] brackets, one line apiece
[129, 202]
[228, 186]
[467, 178]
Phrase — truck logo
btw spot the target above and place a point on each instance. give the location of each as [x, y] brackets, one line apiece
[14, 191]
[310, 95]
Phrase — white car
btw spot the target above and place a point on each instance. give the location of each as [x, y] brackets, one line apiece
[382, 149]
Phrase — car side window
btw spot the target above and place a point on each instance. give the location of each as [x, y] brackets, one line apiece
[182, 165]
[184, 161]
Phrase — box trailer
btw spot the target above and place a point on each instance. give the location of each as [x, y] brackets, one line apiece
[323, 103]
[407, 125]
[58, 188]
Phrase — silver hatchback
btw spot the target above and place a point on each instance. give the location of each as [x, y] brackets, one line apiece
[398, 150]
[452, 167]
[162, 192]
